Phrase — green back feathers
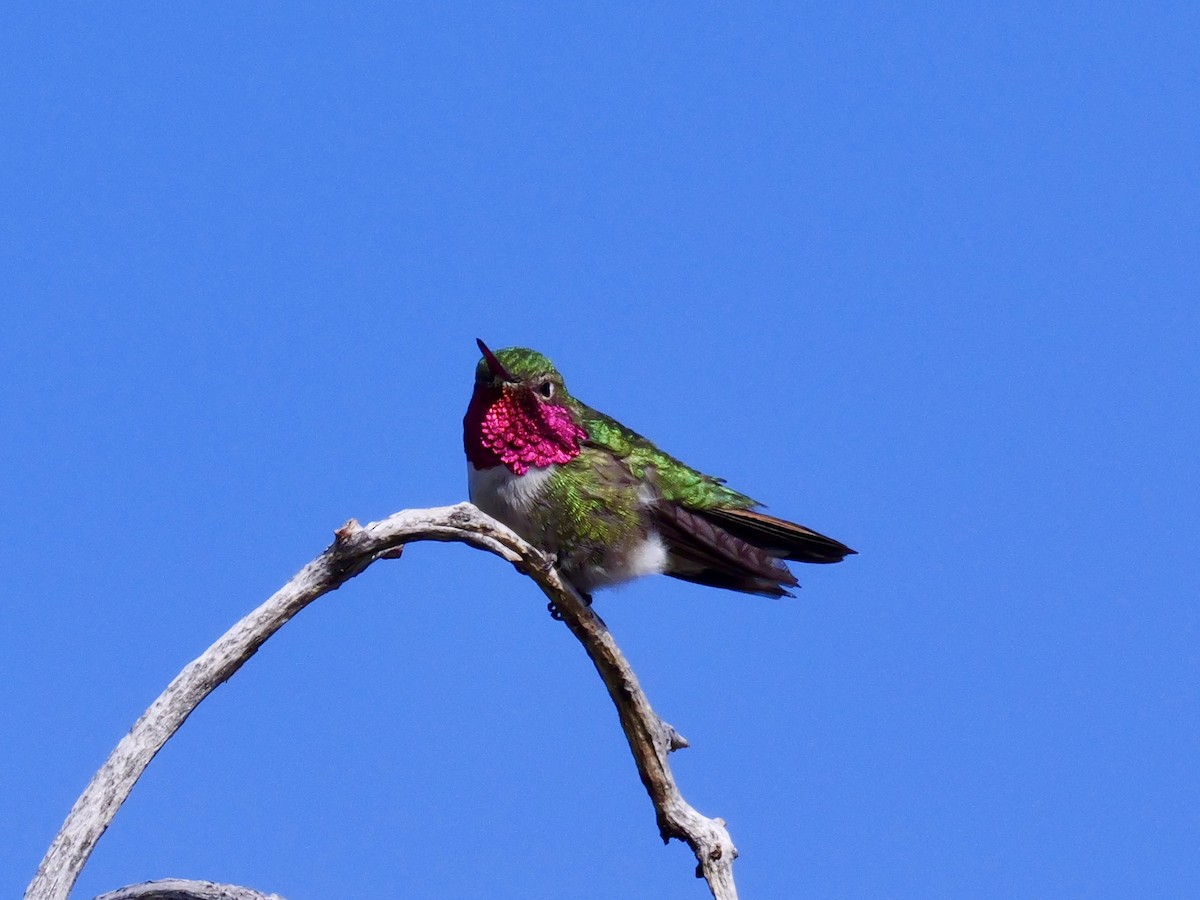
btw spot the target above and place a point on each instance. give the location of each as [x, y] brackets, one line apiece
[677, 481]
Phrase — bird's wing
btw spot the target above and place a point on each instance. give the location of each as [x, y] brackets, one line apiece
[703, 552]
[779, 537]
[676, 480]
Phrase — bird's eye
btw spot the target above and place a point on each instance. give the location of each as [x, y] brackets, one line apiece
[546, 389]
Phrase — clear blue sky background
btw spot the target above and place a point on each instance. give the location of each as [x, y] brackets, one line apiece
[926, 279]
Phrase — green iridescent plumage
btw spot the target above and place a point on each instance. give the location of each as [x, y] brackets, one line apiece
[677, 480]
[622, 507]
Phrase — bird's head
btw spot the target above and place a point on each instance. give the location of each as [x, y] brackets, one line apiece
[520, 413]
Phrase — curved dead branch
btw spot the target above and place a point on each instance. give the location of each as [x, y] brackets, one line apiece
[183, 889]
[355, 547]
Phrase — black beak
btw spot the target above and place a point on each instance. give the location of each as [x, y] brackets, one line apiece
[494, 364]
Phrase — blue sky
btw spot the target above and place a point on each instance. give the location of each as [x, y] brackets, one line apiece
[923, 278]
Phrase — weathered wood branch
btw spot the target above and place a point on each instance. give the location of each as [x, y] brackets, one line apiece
[355, 547]
[183, 889]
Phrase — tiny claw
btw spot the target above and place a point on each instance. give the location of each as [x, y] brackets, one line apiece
[556, 613]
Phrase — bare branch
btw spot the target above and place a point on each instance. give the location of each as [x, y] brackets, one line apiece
[182, 889]
[353, 550]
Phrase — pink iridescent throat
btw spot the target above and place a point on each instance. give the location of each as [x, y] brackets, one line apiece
[514, 428]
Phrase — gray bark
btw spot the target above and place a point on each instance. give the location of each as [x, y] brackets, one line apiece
[181, 889]
[355, 548]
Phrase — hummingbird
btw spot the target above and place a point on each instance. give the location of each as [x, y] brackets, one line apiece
[607, 504]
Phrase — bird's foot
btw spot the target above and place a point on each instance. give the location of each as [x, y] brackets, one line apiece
[556, 613]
